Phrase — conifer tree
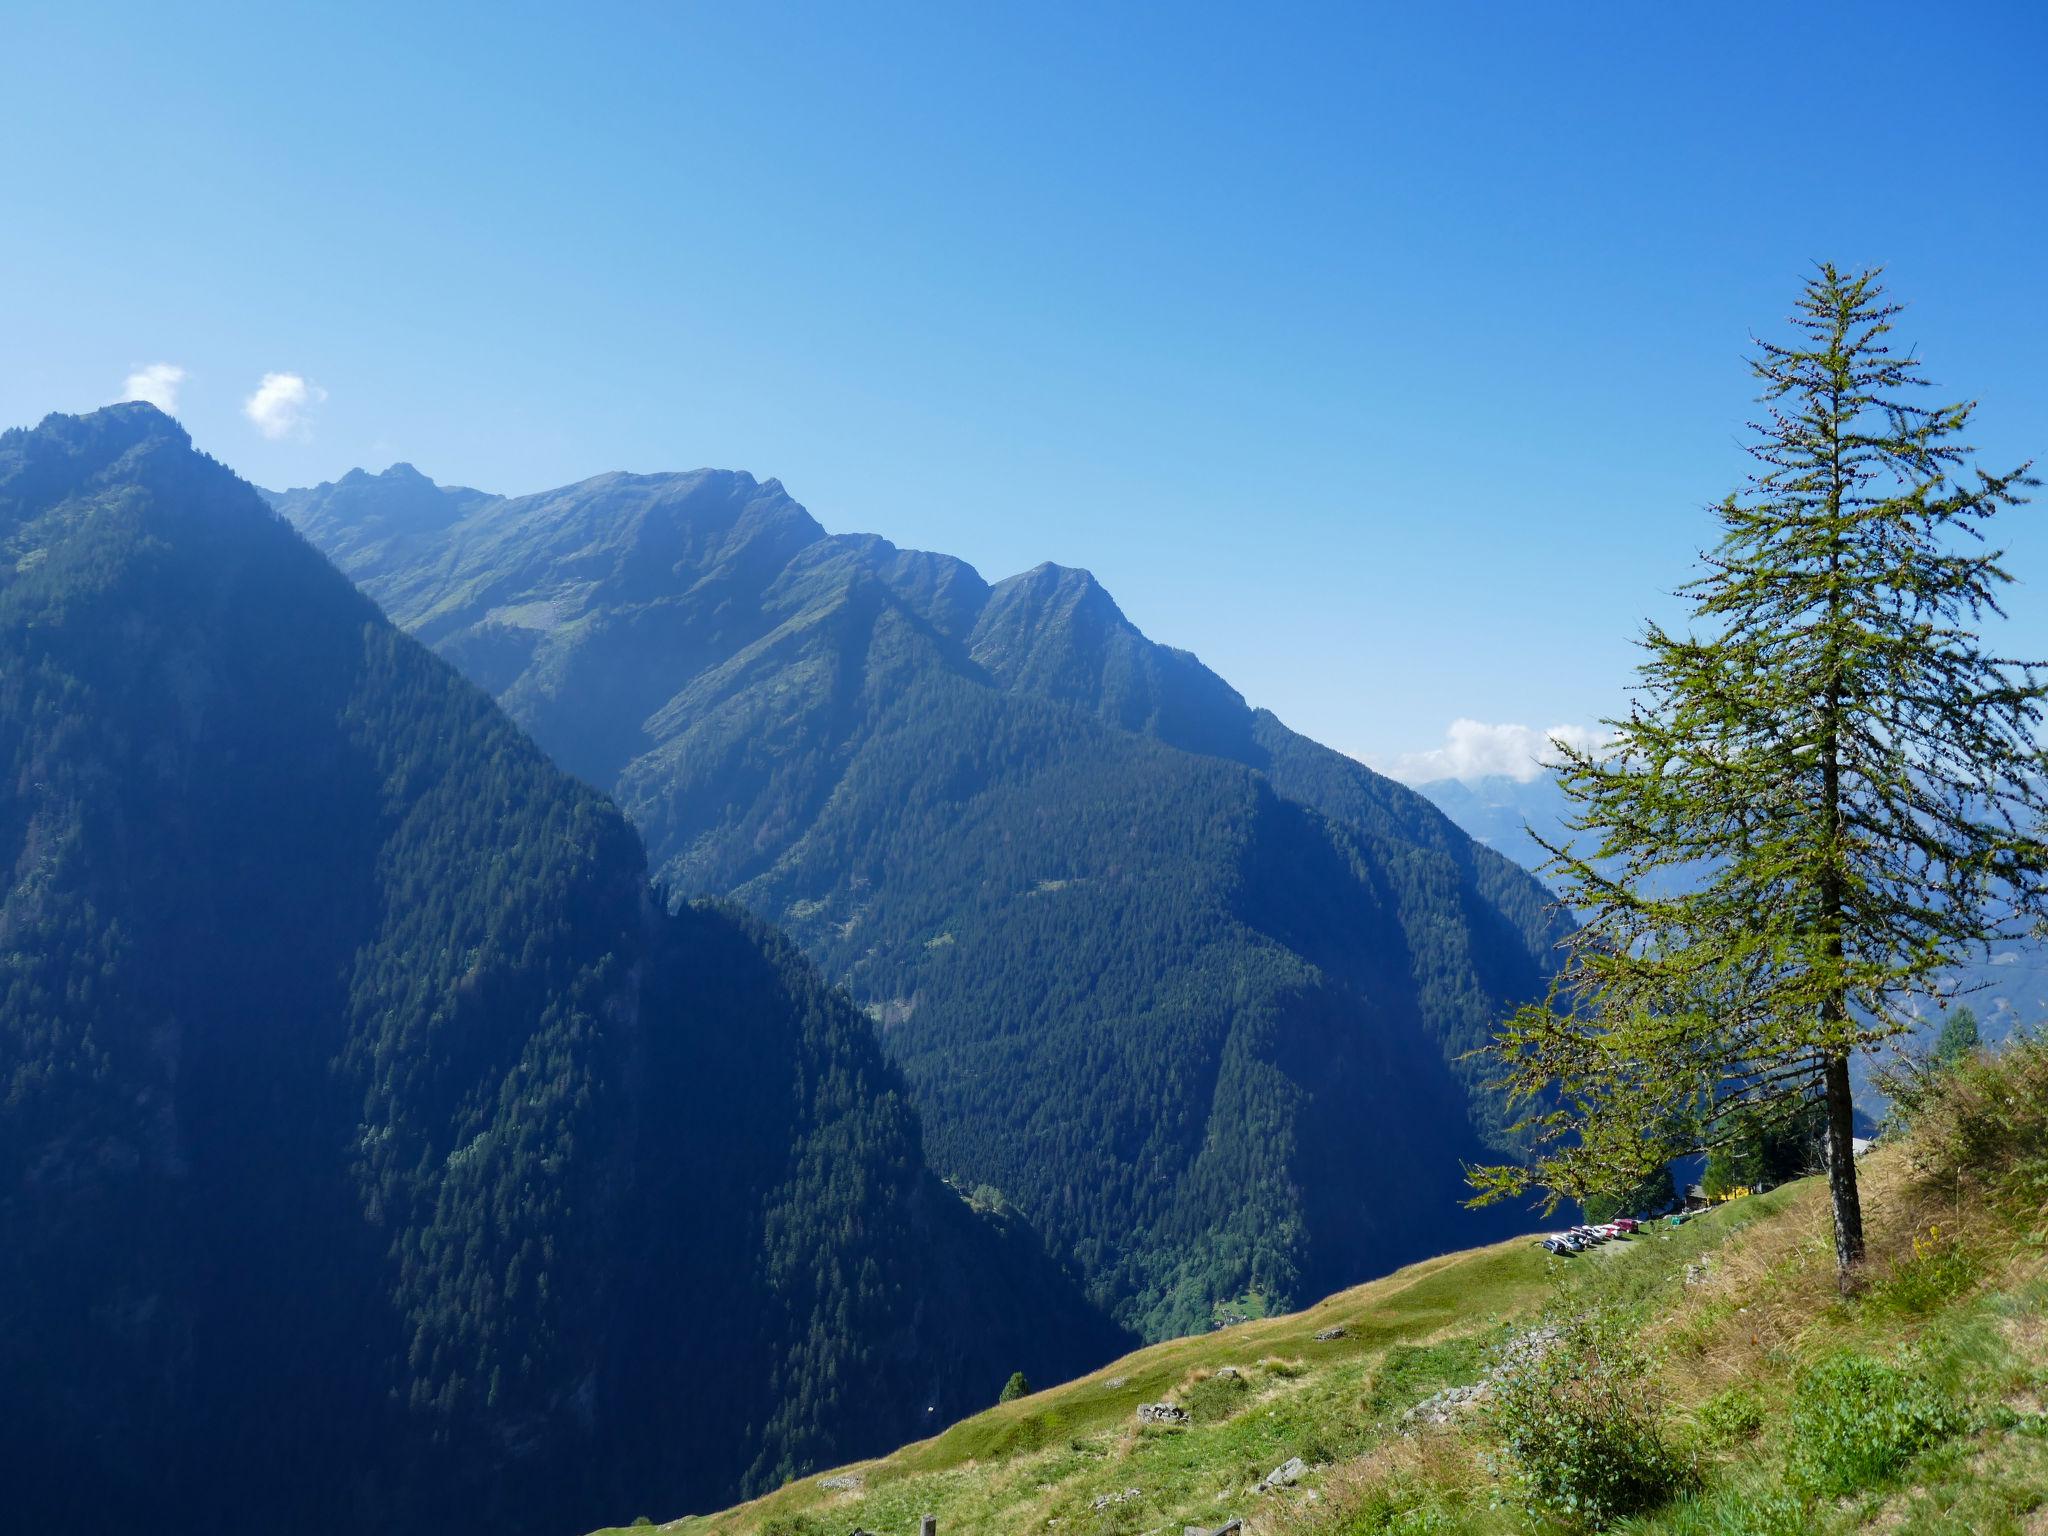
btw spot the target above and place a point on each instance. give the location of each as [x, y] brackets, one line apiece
[1959, 1036]
[1826, 793]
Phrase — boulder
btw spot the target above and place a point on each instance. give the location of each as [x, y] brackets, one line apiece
[1286, 1475]
[1162, 1413]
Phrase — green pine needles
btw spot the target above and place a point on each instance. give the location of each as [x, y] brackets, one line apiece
[1826, 793]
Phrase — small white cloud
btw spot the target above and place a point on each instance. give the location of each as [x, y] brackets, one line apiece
[1474, 750]
[281, 405]
[157, 383]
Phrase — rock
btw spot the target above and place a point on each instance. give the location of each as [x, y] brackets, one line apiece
[1442, 1407]
[1227, 1373]
[1231, 1528]
[1116, 1381]
[1327, 1334]
[1286, 1475]
[1104, 1501]
[1523, 1349]
[1162, 1413]
[844, 1482]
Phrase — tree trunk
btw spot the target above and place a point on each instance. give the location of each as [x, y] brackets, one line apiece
[1842, 1195]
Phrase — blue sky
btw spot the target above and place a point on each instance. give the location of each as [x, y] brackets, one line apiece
[1386, 357]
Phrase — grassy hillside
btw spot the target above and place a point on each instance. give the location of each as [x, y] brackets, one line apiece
[1915, 1405]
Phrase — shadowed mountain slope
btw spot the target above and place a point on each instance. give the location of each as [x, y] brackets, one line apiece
[375, 1153]
[1186, 987]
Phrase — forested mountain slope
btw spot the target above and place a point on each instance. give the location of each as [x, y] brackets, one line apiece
[375, 1153]
[1187, 988]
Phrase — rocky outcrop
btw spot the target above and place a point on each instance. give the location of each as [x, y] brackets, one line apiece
[1162, 1413]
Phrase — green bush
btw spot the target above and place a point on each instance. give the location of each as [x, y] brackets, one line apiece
[1855, 1421]
[1730, 1417]
[1215, 1397]
[1981, 1118]
[1014, 1388]
[1391, 1512]
[1939, 1269]
[1580, 1425]
[1740, 1509]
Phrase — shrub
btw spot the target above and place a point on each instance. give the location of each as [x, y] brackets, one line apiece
[1731, 1416]
[1938, 1270]
[1014, 1388]
[1215, 1396]
[1855, 1421]
[1742, 1510]
[1982, 1118]
[1580, 1423]
[1385, 1512]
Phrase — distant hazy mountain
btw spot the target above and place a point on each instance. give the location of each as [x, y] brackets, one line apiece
[2008, 990]
[1501, 812]
[375, 1155]
[1186, 987]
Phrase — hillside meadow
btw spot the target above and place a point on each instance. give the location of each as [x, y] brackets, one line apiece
[1914, 1404]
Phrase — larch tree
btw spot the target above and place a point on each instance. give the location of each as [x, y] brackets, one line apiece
[1825, 794]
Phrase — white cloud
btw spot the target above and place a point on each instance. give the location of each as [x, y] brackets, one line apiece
[281, 405]
[157, 383]
[1472, 750]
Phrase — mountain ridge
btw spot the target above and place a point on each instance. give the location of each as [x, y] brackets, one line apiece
[1059, 864]
[375, 1153]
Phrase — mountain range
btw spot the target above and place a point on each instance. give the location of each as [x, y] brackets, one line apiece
[2006, 986]
[1188, 990]
[377, 1153]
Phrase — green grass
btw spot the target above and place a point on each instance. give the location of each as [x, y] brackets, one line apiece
[1917, 1404]
[1051, 1455]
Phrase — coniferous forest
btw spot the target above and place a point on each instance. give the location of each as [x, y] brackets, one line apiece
[377, 1152]
[1177, 983]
